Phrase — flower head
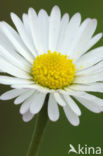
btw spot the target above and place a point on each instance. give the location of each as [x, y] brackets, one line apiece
[53, 70]
[50, 55]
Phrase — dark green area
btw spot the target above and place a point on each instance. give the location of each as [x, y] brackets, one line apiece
[15, 135]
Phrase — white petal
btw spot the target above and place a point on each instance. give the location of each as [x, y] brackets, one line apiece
[54, 26]
[92, 106]
[33, 86]
[16, 41]
[85, 33]
[72, 104]
[86, 79]
[7, 45]
[86, 96]
[71, 33]
[63, 27]
[13, 60]
[91, 58]
[21, 29]
[12, 94]
[23, 97]
[37, 102]
[26, 105]
[7, 80]
[26, 24]
[93, 41]
[95, 87]
[71, 116]
[4, 40]
[68, 91]
[12, 70]
[59, 99]
[43, 30]
[91, 70]
[27, 116]
[53, 110]
[33, 26]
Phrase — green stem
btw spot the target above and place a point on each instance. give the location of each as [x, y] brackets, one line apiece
[40, 123]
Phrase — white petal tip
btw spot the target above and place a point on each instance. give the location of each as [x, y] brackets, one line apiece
[33, 111]
[78, 14]
[24, 14]
[101, 108]
[94, 21]
[27, 116]
[26, 119]
[42, 11]
[66, 15]
[21, 111]
[56, 8]
[12, 15]
[54, 119]
[2, 97]
[16, 103]
[76, 124]
[31, 10]
[101, 34]
[2, 23]
[79, 114]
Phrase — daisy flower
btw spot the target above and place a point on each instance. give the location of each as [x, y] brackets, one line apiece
[49, 55]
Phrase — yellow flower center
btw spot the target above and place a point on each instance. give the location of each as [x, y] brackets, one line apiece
[53, 70]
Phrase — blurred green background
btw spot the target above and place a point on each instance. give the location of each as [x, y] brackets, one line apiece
[15, 135]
